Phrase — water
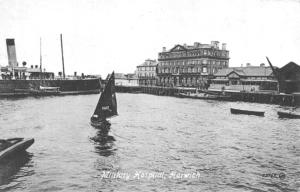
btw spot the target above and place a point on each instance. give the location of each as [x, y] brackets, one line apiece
[152, 143]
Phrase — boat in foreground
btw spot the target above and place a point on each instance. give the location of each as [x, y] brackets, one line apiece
[106, 106]
[288, 115]
[14, 145]
[246, 112]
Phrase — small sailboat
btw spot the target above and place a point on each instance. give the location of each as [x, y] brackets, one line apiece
[107, 105]
[246, 112]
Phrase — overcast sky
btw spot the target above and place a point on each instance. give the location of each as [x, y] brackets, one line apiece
[104, 35]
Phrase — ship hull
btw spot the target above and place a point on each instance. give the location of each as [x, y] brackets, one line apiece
[66, 87]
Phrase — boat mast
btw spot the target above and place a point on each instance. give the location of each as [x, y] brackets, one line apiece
[41, 67]
[62, 55]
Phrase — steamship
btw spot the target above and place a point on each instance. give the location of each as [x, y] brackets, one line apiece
[26, 80]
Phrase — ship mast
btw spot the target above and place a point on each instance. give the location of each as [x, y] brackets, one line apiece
[62, 55]
[41, 66]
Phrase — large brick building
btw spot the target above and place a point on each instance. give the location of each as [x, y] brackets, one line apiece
[191, 66]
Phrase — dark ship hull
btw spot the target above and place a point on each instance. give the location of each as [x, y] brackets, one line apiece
[65, 87]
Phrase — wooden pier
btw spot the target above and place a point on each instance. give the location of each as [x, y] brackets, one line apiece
[255, 97]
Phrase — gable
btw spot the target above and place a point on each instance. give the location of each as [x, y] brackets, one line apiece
[178, 48]
[233, 74]
[291, 67]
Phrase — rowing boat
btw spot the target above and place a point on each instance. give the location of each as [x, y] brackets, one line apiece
[246, 112]
[14, 145]
[288, 115]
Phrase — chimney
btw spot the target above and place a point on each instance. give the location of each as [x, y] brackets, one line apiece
[164, 49]
[196, 44]
[75, 74]
[248, 64]
[215, 44]
[241, 65]
[262, 65]
[11, 53]
[184, 45]
[223, 46]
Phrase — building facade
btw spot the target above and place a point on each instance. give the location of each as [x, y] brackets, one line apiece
[146, 73]
[121, 79]
[191, 66]
[248, 78]
[288, 77]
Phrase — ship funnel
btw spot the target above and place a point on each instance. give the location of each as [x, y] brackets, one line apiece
[11, 53]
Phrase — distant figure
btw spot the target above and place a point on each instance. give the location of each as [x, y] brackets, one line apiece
[223, 90]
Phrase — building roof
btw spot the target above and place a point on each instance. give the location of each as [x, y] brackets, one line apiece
[131, 76]
[291, 66]
[246, 71]
[148, 62]
[196, 45]
[189, 47]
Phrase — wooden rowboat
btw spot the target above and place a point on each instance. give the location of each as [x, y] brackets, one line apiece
[288, 115]
[246, 112]
[12, 146]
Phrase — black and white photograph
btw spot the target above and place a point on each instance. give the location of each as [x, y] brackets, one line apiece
[149, 95]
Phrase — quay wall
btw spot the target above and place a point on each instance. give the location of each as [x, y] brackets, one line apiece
[256, 97]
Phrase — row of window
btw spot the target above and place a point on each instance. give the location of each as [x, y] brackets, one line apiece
[181, 81]
[147, 68]
[146, 75]
[184, 70]
[253, 78]
[194, 53]
[194, 62]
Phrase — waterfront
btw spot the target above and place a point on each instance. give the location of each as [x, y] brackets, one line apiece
[151, 135]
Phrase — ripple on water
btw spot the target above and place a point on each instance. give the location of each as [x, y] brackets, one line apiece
[151, 134]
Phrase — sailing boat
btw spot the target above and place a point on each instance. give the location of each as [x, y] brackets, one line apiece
[107, 104]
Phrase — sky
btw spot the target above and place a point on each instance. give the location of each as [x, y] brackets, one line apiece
[100, 36]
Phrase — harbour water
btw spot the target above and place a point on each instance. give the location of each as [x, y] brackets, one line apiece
[155, 144]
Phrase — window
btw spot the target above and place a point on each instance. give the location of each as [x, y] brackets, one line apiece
[204, 69]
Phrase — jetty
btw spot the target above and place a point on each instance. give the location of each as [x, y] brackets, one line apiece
[255, 97]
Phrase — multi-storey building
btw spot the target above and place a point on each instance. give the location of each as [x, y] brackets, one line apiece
[146, 73]
[191, 66]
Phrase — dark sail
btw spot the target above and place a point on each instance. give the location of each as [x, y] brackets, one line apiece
[107, 104]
